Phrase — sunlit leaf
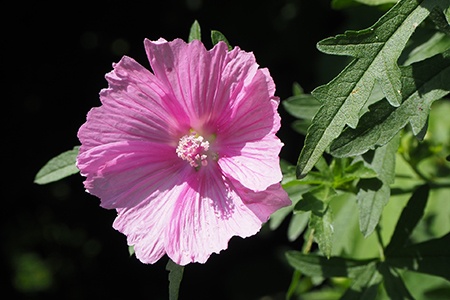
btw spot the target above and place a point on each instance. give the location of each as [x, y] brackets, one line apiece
[423, 83]
[376, 51]
[323, 230]
[58, 167]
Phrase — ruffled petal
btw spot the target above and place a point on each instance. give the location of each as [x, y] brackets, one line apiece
[265, 203]
[248, 147]
[255, 165]
[202, 81]
[123, 174]
[145, 224]
[204, 221]
[134, 108]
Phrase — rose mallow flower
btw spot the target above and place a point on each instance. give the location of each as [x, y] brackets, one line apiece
[187, 155]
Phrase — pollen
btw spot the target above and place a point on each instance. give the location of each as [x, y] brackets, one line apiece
[193, 148]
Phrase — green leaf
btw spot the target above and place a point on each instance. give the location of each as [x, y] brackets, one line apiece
[297, 225]
[340, 4]
[436, 44]
[58, 167]
[297, 89]
[393, 283]
[131, 250]
[373, 194]
[301, 126]
[314, 265]
[423, 83]
[195, 33]
[365, 285]
[217, 36]
[175, 277]
[411, 215]
[376, 51]
[323, 230]
[439, 18]
[430, 257]
[303, 106]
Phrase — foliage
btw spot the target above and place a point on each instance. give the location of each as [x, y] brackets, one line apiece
[375, 165]
[378, 151]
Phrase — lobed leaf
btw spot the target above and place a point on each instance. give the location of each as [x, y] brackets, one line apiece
[423, 83]
[376, 51]
[58, 167]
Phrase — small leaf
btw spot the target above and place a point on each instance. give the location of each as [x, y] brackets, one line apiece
[323, 230]
[217, 36]
[410, 216]
[195, 33]
[297, 225]
[314, 265]
[297, 89]
[175, 277]
[430, 257]
[301, 106]
[131, 250]
[374, 194]
[58, 167]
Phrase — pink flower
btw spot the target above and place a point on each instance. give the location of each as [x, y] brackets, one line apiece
[188, 155]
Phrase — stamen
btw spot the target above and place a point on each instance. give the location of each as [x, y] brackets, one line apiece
[194, 149]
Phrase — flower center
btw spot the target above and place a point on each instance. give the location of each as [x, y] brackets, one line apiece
[193, 148]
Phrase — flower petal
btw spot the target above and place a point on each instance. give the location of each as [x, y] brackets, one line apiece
[265, 203]
[202, 81]
[204, 221]
[248, 147]
[255, 165]
[145, 224]
[123, 174]
[134, 108]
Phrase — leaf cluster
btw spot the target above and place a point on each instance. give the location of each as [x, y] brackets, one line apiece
[375, 136]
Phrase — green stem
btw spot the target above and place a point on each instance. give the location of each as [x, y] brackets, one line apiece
[297, 274]
[380, 243]
[415, 169]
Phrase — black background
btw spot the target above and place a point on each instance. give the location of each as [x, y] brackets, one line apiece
[56, 242]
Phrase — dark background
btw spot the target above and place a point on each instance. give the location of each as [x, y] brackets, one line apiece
[56, 242]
